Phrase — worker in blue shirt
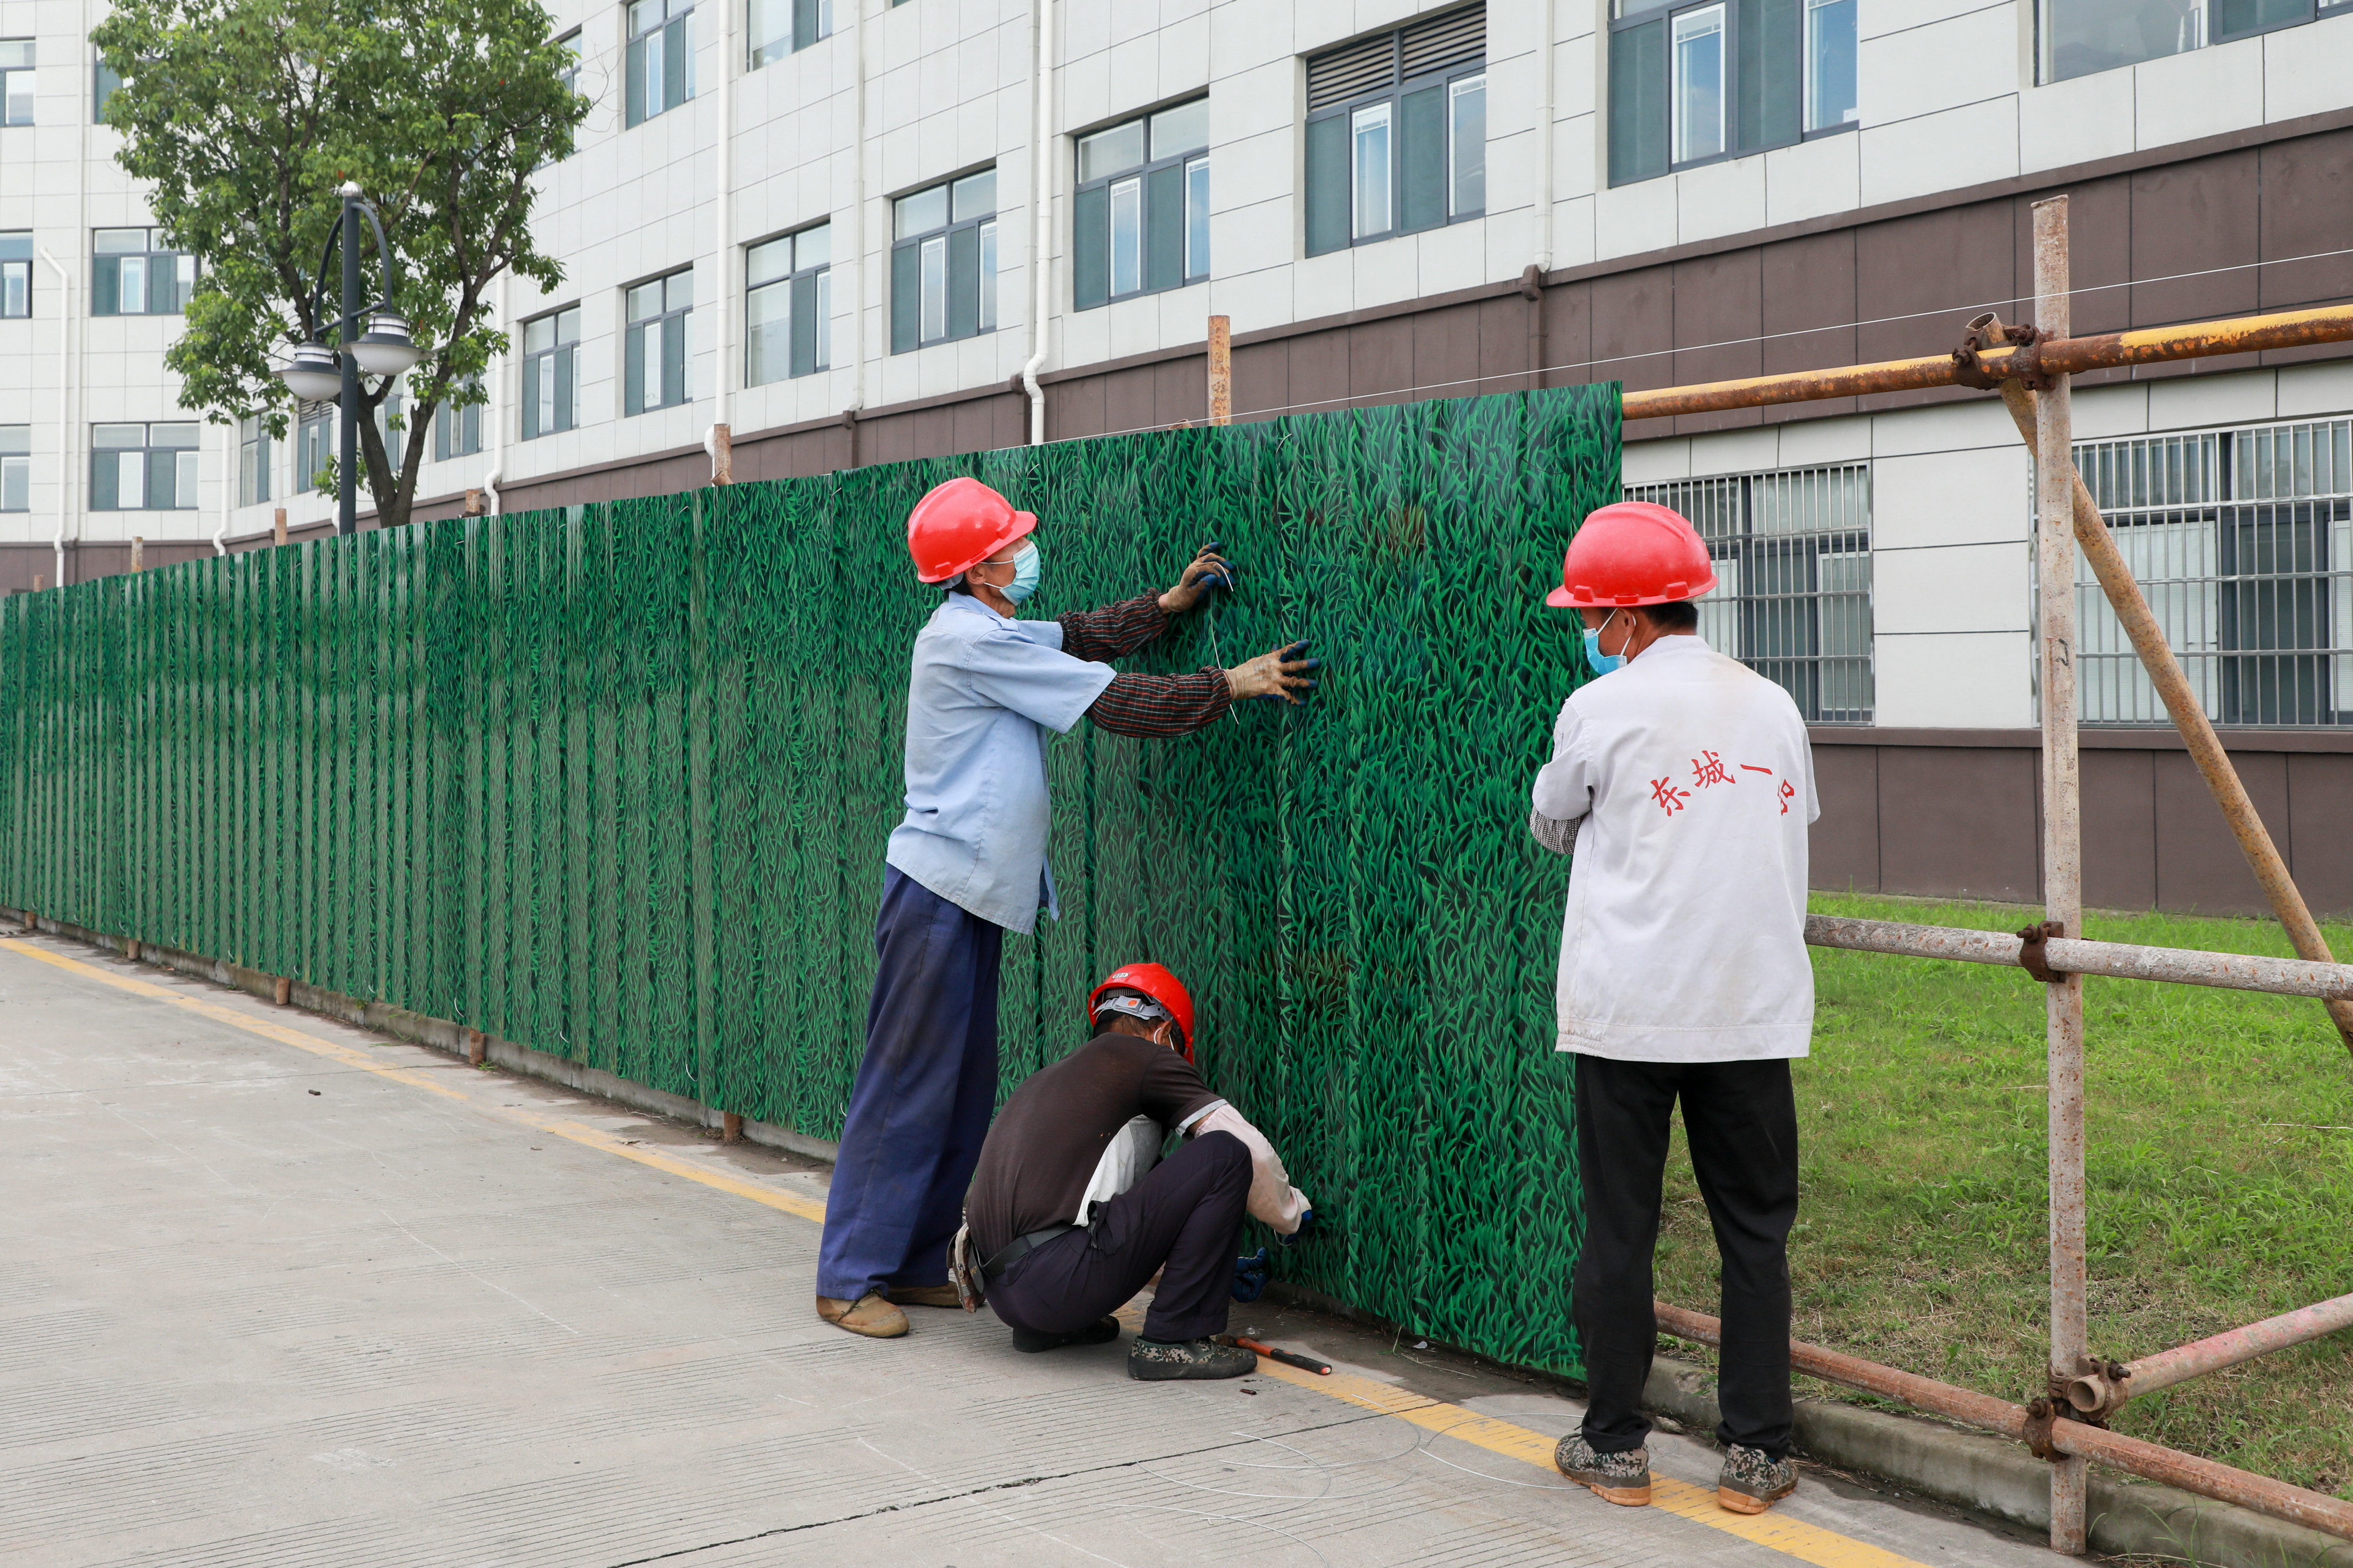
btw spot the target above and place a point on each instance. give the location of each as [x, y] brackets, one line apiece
[968, 864]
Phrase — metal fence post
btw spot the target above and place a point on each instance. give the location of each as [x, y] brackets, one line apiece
[2062, 877]
[1221, 371]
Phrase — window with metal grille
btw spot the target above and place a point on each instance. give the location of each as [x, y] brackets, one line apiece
[1396, 132]
[943, 262]
[1792, 557]
[1141, 216]
[788, 302]
[2242, 541]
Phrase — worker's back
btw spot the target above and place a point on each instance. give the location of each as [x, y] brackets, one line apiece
[1043, 1148]
[1684, 938]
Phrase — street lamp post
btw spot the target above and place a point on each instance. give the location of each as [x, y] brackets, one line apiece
[317, 372]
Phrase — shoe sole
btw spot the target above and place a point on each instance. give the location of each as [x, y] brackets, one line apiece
[899, 1331]
[1741, 1502]
[1185, 1374]
[1624, 1496]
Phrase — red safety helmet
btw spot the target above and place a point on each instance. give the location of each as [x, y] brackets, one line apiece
[1155, 980]
[1632, 553]
[959, 525]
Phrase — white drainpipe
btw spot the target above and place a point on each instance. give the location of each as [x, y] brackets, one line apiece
[66, 469]
[1041, 206]
[229, 487]
[1545, 49]
[723, 280]
[858, 221]
[497, 407]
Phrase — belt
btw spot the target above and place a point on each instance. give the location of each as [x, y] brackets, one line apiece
[1022, 1247]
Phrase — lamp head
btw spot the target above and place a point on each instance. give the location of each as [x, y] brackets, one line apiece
[387, 349]
[312, 373]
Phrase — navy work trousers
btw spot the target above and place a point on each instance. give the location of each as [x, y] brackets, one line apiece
[1742, 1123]
[1180, 1219]
[921, 1106]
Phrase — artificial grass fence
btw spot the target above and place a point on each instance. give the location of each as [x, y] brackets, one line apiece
[2219, 1177]
[614, 782]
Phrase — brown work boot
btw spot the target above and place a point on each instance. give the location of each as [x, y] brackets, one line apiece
[925, 1296]
[1753, 1480]
[872, 1315]
[1623, 1479]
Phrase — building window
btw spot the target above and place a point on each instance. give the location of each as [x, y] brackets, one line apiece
[1396, 133]
[16, 275]
[104, 82]
[1689, 84]
[457, 431]
[780, 28]
[943, 262]
[142, 468]
[314, 445]
[15, 467]
[1142, 212]
[551, 372]
[1792, 557]
[2242, 541]
[661, 56]
[788, 302]
[16, 81]
[2079, 37]
[653, 344]
[572, 51]
[132, 275]
[252, 462]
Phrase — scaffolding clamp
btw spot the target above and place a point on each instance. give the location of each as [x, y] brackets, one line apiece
[2033, 955]
[1987, 332]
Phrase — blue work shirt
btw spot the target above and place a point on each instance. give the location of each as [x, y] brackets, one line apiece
[981, 691]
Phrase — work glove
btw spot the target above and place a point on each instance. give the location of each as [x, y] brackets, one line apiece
[1307, 1224]
[1249, 1276]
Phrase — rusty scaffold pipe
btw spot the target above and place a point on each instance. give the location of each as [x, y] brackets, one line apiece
[2099, 1393]
[2055, 356]
[2048, 1433]
[2077, 956]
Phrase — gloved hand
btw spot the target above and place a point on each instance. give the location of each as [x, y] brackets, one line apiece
[1249, 1276]
[1307, 1224]
[1208, 570]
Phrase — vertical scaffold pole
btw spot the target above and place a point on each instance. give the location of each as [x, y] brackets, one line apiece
[2062, 877]
[1221, 371]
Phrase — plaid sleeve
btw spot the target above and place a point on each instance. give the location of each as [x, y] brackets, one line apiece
[1154, 707]
[1100, 636]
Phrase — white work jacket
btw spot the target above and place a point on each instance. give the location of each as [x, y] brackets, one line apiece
[1689, 784]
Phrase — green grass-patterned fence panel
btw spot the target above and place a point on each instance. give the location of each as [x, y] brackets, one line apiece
[614, 782]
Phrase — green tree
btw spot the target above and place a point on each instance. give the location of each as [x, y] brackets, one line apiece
[244, 117]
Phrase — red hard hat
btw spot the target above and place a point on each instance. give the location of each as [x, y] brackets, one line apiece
[959, 525]
[1155, 980]
[1632, 553]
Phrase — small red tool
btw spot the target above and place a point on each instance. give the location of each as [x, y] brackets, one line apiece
[1287, 1358]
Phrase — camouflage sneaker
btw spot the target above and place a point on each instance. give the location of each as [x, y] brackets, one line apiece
[1157, 1361]
[1622, 1478]
[1753, 1480]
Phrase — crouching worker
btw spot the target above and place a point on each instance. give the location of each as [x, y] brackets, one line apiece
[1072, 1210]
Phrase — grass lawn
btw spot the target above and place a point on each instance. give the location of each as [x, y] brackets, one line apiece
[2221, 1136]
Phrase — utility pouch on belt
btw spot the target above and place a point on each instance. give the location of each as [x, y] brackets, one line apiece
[964, 1269]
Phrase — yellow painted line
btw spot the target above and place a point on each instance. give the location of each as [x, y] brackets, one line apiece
[1791, 1536]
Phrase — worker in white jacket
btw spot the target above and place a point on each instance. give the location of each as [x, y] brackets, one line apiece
[1682, 783]
[1071, 1210]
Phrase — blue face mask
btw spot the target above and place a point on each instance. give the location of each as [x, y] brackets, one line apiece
[1602, 663]
[1025, 573]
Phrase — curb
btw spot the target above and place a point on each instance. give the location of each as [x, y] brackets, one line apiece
[1970, 1469]
[1989, 1476]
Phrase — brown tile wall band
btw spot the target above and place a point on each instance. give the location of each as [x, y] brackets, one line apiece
[2088, 739]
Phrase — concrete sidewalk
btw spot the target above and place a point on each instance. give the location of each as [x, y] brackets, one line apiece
[273, 1291]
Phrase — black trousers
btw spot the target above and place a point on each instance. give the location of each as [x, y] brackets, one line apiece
[1742, 1122]
[1180, 1219]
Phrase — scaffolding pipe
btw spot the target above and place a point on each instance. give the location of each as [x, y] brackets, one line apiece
[2077, 956]
[2098, 1393]
[2182, 705]
[2061, 355]
[2152, 1461]
[2063, 863]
